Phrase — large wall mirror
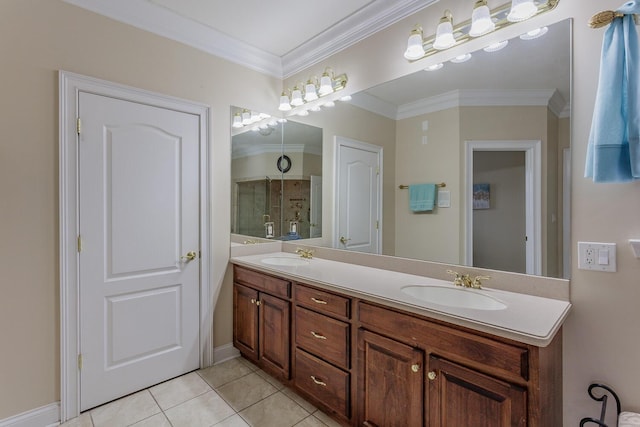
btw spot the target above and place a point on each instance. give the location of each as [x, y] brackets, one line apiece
[276, 177]
[496, 128]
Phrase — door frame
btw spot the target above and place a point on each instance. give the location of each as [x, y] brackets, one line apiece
[533, 197]
[340, 141]
[69, 85]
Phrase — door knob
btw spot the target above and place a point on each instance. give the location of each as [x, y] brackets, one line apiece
[344, 240]
[190, 256]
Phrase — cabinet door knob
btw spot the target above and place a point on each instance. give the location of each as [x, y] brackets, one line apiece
[258, 302]
[317, 381]
[432, 375]
[415, 368]
[318, 301]
[253, 301]
[319, 336]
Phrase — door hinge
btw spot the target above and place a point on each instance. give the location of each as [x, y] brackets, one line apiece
[378, 170]
[377, 225]
[80, 362]
[79, 243]
[78, 125]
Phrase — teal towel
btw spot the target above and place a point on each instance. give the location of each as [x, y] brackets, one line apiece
[613, 152]
[422, 197]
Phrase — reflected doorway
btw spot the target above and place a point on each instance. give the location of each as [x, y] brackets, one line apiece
[512, 167]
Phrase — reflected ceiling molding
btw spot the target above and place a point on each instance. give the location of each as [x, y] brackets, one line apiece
[466, 98]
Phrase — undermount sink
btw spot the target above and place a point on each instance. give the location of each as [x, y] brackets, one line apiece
[285, 261]
[454, 297]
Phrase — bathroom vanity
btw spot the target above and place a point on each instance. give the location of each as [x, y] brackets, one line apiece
[352, 342]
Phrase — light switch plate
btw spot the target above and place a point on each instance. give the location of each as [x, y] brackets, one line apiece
[597, 256]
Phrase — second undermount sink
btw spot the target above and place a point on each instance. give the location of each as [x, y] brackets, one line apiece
[454, 297]
[285, 261]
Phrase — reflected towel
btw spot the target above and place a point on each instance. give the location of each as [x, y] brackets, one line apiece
[422, 197]
[613, 153]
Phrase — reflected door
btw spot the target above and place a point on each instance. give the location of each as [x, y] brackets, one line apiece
[359, 198]
[139, 263]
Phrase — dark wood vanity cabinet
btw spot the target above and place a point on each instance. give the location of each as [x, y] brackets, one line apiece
[262, 321]
[370, 365]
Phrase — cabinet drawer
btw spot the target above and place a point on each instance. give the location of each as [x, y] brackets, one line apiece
[323, 336]
[322, 381]
[263, 282]
[483, 353]
[322, 301]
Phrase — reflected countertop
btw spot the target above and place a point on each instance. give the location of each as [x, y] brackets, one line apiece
[528, 319]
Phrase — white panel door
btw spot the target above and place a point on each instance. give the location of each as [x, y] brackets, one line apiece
[358, 198]
[138, 204]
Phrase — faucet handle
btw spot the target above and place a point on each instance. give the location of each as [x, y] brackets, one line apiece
[477, 281]
[458, 278]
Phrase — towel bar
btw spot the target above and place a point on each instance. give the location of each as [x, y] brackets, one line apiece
[404, 187]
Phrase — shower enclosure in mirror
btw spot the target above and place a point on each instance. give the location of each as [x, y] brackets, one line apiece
[276, 177]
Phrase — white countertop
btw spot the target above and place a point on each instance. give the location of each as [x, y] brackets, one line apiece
[529, 319]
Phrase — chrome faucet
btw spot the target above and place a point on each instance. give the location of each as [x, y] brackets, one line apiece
[466, 281]
[305, 253]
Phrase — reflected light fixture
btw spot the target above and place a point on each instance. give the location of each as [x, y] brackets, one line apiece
[313, 91]
[521, 10]
[481, 22]
[415, 50]
[434, 67]
[237, 121]
[444, 32]
[534, 34]
[251, 118]
[461, 58]
[494, 47]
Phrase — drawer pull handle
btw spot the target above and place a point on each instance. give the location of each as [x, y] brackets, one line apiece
[432, 375]
[319, 336]
[318, 301]
[317, 381]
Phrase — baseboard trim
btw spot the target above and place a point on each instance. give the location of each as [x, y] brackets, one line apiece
[223, 353]
[45, 416]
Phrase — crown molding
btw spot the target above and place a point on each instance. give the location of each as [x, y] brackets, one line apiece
[163, 22]
[358, 26]
[465, 98]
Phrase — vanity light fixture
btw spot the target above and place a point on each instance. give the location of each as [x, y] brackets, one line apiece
[534, 34]
[483, 21]
[237, 121]
[444, 32]
[252, 119]
[313, 91]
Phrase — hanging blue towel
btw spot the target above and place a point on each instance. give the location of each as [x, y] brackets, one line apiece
[613, 153]
[422, 197]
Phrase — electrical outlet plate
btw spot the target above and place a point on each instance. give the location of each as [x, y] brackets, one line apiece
[597, 256]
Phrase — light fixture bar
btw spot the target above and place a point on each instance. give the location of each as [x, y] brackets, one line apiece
[315, 94]
[461, 31]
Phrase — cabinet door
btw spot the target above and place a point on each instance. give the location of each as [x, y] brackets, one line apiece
[459, 396]
[390, 382]
[275, 315]
[245, 321]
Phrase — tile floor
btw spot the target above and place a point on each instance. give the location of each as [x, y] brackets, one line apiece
[232, 394]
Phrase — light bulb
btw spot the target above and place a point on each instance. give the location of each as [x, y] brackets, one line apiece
[521, 10]
[444, 32]
[481, 22]
[415, 50]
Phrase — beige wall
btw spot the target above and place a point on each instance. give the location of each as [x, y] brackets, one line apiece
[431, 236]
[40, 37]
